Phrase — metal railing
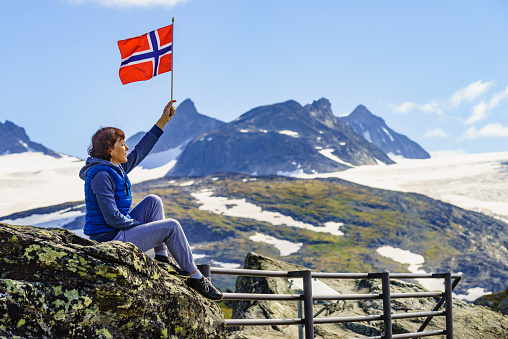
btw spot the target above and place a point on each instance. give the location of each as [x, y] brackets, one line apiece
[308, 299]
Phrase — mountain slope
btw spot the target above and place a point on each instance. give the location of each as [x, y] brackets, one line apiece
[15, 140]
[279, 139]
[184, 126]
[333, 225]
[375, 130]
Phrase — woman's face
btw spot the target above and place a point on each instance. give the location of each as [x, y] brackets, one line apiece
[119, 152]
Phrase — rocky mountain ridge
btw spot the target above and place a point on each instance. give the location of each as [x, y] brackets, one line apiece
[375, 130]
[15, 140]
[282, 138]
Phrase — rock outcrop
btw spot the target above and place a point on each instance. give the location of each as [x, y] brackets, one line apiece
[498, 301]
[470, 321]
[55, 284]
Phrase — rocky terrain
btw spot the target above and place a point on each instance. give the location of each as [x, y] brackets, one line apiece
[469, 321]
[498, 301]
[375, 130]
[54, 284]
[15, 140]
[279, 139]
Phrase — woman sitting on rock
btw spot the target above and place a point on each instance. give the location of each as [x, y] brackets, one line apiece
[108, 203]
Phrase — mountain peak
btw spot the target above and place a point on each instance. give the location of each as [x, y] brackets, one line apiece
[185, 126]
[375, 130]
[187, 107]
[321, 110]
[361, 112]
[15, 140]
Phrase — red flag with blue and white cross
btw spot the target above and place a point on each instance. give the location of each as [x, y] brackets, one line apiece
[147, 55]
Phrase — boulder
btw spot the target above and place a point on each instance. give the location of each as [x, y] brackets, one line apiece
[56, 284]
[498, 301]
[470, 321]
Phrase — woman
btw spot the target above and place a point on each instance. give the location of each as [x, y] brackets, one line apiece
[108, 202]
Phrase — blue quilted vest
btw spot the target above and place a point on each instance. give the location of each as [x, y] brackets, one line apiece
[94, 220]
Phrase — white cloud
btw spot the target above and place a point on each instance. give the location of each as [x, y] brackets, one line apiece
[436, 133]
[431, 107]
[480, 110]
[479, 113]
[467, 94]
[489, 130]
[131, 3]
[405, 107]
[470, 92]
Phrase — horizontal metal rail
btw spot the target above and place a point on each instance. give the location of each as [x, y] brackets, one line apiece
[263, 322]
[323, 275]
[255, 296]
[328, 320]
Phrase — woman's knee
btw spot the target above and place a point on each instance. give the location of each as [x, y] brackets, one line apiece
[154, 199]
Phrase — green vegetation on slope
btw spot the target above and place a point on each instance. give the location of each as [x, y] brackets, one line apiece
[444, 234]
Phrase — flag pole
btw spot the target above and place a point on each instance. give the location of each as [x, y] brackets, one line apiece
[172, 53]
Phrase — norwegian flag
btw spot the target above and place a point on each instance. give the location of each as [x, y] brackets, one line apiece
[147, 55]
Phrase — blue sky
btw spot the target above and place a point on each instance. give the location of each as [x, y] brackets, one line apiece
[436, 71]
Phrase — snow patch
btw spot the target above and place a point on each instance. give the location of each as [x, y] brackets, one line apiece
[472, 294]
[290, 133]
[154, 160]
[226, 264]
[54, 219]
[285, 247]
[388, 133]
[291, 173]
[366, 135]
[140, 174]
[240, 208]
[328, 153]
[415, 262]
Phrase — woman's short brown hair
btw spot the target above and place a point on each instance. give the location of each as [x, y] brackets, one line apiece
[103, 141]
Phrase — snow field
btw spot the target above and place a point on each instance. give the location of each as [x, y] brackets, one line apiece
[471, 181]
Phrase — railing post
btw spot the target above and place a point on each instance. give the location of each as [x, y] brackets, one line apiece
[449, 305]
[300, 315]
[308, 304]
[387, 308]
[205, 270]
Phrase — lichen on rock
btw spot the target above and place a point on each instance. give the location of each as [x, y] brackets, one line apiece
[54, 283]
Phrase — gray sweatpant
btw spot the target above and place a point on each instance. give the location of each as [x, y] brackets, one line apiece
[158, 233]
